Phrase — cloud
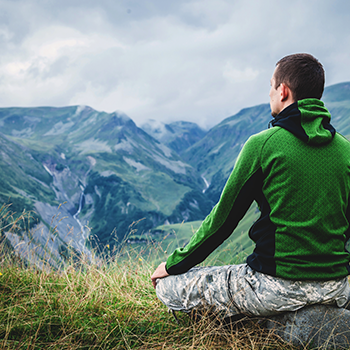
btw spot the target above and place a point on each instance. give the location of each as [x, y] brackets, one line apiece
[236, 75]
[193, 60]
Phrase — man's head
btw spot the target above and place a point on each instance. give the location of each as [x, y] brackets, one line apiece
[296, 77]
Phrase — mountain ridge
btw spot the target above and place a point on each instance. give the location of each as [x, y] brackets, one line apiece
[115, 178]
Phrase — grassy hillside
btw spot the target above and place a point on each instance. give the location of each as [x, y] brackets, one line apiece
[107, 303]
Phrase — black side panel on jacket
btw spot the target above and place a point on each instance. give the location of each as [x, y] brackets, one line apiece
[263, 234]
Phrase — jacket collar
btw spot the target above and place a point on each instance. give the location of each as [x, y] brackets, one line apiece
[307, 119]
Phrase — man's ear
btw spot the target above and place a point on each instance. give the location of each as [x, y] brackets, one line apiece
[284, 92]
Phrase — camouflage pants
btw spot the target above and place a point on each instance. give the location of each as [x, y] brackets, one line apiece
[237, 289]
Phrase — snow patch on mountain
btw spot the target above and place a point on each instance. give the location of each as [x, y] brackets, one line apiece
[137, 165]
[79, 110]
[94, 146]
[166, 150]
[59, 128]
[177, 167]
[217, 149]
[31, 119]
[28, 132]
[124, 145]
[106, 173]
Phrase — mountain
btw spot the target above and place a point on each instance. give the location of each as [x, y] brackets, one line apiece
[90, 178]
[178, 135]
[109, 174]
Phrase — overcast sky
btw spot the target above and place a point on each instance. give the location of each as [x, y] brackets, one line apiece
[194, 60]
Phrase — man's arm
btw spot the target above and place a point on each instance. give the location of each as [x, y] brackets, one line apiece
[236, 198]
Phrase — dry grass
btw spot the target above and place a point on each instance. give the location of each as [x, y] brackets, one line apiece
[105, 305]
[111, 308]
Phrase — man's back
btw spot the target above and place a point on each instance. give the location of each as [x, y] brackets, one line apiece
[305, 195]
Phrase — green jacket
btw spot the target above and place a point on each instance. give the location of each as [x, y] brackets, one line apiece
[298, 172]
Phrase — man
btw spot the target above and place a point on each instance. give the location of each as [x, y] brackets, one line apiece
[298, 172]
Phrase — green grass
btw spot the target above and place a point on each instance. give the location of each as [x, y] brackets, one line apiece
[107, 303]
[108, 306]
[233, 251]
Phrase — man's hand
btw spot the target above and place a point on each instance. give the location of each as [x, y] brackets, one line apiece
[160, 272]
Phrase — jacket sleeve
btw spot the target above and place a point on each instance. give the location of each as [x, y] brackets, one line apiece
[236, 198]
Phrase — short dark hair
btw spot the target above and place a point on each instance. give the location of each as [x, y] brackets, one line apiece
[302, 73]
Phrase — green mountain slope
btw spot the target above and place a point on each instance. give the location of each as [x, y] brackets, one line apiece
[215, 154]
[23, 179]
[103, 167]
